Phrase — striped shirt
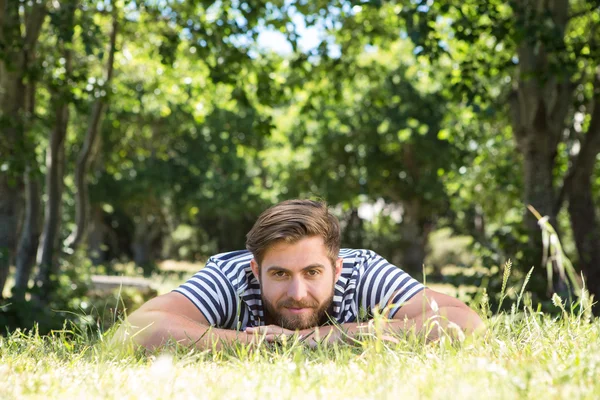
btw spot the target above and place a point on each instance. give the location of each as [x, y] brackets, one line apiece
[228, 294]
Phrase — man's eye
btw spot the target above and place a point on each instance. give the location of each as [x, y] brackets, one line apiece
[279, 274]
[313, 272]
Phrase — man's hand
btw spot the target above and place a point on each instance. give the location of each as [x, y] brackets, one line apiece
[272, 333]
[311, 337]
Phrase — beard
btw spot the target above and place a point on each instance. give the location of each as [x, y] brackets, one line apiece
[297, 322]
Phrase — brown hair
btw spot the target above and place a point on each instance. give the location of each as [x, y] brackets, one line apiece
[291, 221]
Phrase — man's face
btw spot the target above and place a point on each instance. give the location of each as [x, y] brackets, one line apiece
[297, 282]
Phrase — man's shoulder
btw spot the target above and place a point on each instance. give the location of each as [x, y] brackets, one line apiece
[356, 254]
[236, 255]
[232, 263]
[234, 266]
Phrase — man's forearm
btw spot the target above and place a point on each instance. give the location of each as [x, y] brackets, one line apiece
[435, 323]
[431, 323]
[152, 329]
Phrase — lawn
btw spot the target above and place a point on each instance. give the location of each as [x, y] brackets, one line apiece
[523, 355]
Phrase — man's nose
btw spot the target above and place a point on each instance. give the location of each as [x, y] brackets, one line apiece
[297, 289]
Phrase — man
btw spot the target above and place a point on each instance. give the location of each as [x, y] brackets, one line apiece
[294, 279]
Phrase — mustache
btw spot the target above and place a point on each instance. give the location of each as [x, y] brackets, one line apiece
[291, 303]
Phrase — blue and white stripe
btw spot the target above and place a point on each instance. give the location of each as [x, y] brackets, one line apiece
[228, 294]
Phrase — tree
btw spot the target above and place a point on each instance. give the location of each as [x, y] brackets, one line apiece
[90, 139]
[547, 52]
[60, 90]
[20, 26]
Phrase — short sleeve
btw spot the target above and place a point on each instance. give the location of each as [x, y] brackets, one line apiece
[384, 285]
[213, 294]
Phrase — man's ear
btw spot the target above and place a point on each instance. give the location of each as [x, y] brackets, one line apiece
[339, 263]
[254, 266]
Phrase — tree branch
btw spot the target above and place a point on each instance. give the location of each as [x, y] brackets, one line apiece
[10, 22]
[113, 45]
[516, 117]
[592, 138]
[33, 24]
[560, 14]
[2, 16]
[562, 102]
[91, 135]
[562, 192]
[590, 145]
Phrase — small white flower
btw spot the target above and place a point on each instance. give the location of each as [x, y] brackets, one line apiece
[434, 305]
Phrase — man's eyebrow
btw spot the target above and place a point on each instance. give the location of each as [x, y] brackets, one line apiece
[311, 266]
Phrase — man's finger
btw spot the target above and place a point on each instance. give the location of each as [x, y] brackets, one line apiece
[257, 329]
[390, 339]
[269, 329]
[272, 338]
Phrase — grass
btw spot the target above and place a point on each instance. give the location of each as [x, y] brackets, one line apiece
[524, 354]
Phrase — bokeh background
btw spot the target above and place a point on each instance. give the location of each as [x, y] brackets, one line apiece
[139, 137]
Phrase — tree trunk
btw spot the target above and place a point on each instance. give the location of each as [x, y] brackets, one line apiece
[95, 237]
[49, 242]
[538, 165]
[352, 234]
[11, 113]
[100, 237]
[539, 105]
[168, 248]
[30, 234]
[84, 159]
[415, 236]
[147, 230]
[13, 66]
[582, 208]
[10, 198]
[586, 231]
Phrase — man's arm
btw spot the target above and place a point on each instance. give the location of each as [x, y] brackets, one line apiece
[427, 313]
[173, 317]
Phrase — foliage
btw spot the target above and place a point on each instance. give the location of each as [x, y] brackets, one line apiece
[403, 107]
[65, 305]
[75, 302]
[538, 61]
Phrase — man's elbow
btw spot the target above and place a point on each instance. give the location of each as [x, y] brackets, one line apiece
[469, 321]
[141, 329]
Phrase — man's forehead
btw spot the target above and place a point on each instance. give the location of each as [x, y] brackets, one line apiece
[283, 268]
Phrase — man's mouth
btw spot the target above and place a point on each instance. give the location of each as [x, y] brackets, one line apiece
[294, 310]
